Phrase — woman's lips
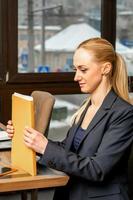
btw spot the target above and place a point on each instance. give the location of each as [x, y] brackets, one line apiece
[81, 84]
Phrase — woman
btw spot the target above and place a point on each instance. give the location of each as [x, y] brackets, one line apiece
[96, 150]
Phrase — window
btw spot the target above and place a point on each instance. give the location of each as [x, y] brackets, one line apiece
[124, 38]
[50, 31]
[21, 50]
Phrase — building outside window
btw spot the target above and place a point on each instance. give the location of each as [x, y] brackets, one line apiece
[49, 32]
[125, 32]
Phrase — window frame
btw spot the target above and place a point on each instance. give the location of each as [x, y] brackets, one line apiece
[10, 34]
[3, 42]
[14, 76]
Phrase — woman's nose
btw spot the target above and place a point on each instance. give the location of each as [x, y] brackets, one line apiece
[77, 76]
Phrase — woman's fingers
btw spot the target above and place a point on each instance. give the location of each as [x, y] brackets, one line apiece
[35, 140]
[10, 122]
[29, 136]
[10, 129]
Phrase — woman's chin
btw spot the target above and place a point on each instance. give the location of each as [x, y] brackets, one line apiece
[84, 90]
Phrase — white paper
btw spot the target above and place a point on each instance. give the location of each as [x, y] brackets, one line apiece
[4, 136]
[27, 97]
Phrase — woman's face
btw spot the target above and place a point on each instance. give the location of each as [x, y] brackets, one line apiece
[88, 72]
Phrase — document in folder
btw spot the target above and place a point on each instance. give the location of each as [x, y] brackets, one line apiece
[22, 157]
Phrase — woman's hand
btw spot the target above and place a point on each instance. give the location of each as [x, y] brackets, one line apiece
[32, 138]
[10, 129]
[35, 140]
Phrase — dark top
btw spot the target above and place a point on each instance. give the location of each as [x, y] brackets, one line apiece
[79, 135]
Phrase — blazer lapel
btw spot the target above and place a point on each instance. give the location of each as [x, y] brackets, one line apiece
[101, 113]
[74, 128]
[97, 118]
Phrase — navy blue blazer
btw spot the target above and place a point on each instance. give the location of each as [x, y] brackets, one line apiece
[98, 170]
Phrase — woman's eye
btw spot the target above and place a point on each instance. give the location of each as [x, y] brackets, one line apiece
[83, 70]
[79, 69]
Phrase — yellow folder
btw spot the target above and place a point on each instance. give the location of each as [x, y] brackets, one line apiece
[22, 157]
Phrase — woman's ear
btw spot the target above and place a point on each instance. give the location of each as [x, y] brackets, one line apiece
[106, 68]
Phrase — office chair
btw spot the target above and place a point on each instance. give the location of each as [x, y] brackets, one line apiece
[43, 105]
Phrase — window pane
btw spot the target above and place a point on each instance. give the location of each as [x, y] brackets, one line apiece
[64, 108]
[49, 32]
[124, 43]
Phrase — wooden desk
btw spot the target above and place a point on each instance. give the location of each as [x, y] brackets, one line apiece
[46, 178]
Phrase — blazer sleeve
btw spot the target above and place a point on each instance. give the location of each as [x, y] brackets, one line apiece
[115, 142]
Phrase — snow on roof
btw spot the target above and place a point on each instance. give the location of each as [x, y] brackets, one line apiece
[49, 28]
[69, 38]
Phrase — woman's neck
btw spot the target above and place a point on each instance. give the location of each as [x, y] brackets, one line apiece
[98, 95]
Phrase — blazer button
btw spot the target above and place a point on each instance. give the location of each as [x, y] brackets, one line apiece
[50, 163]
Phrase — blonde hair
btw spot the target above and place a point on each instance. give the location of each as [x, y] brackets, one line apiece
[103, 51]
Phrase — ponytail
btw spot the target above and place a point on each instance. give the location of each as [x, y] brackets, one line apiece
[120, 78]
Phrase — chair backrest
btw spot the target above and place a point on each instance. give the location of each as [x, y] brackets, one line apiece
[43, 103]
